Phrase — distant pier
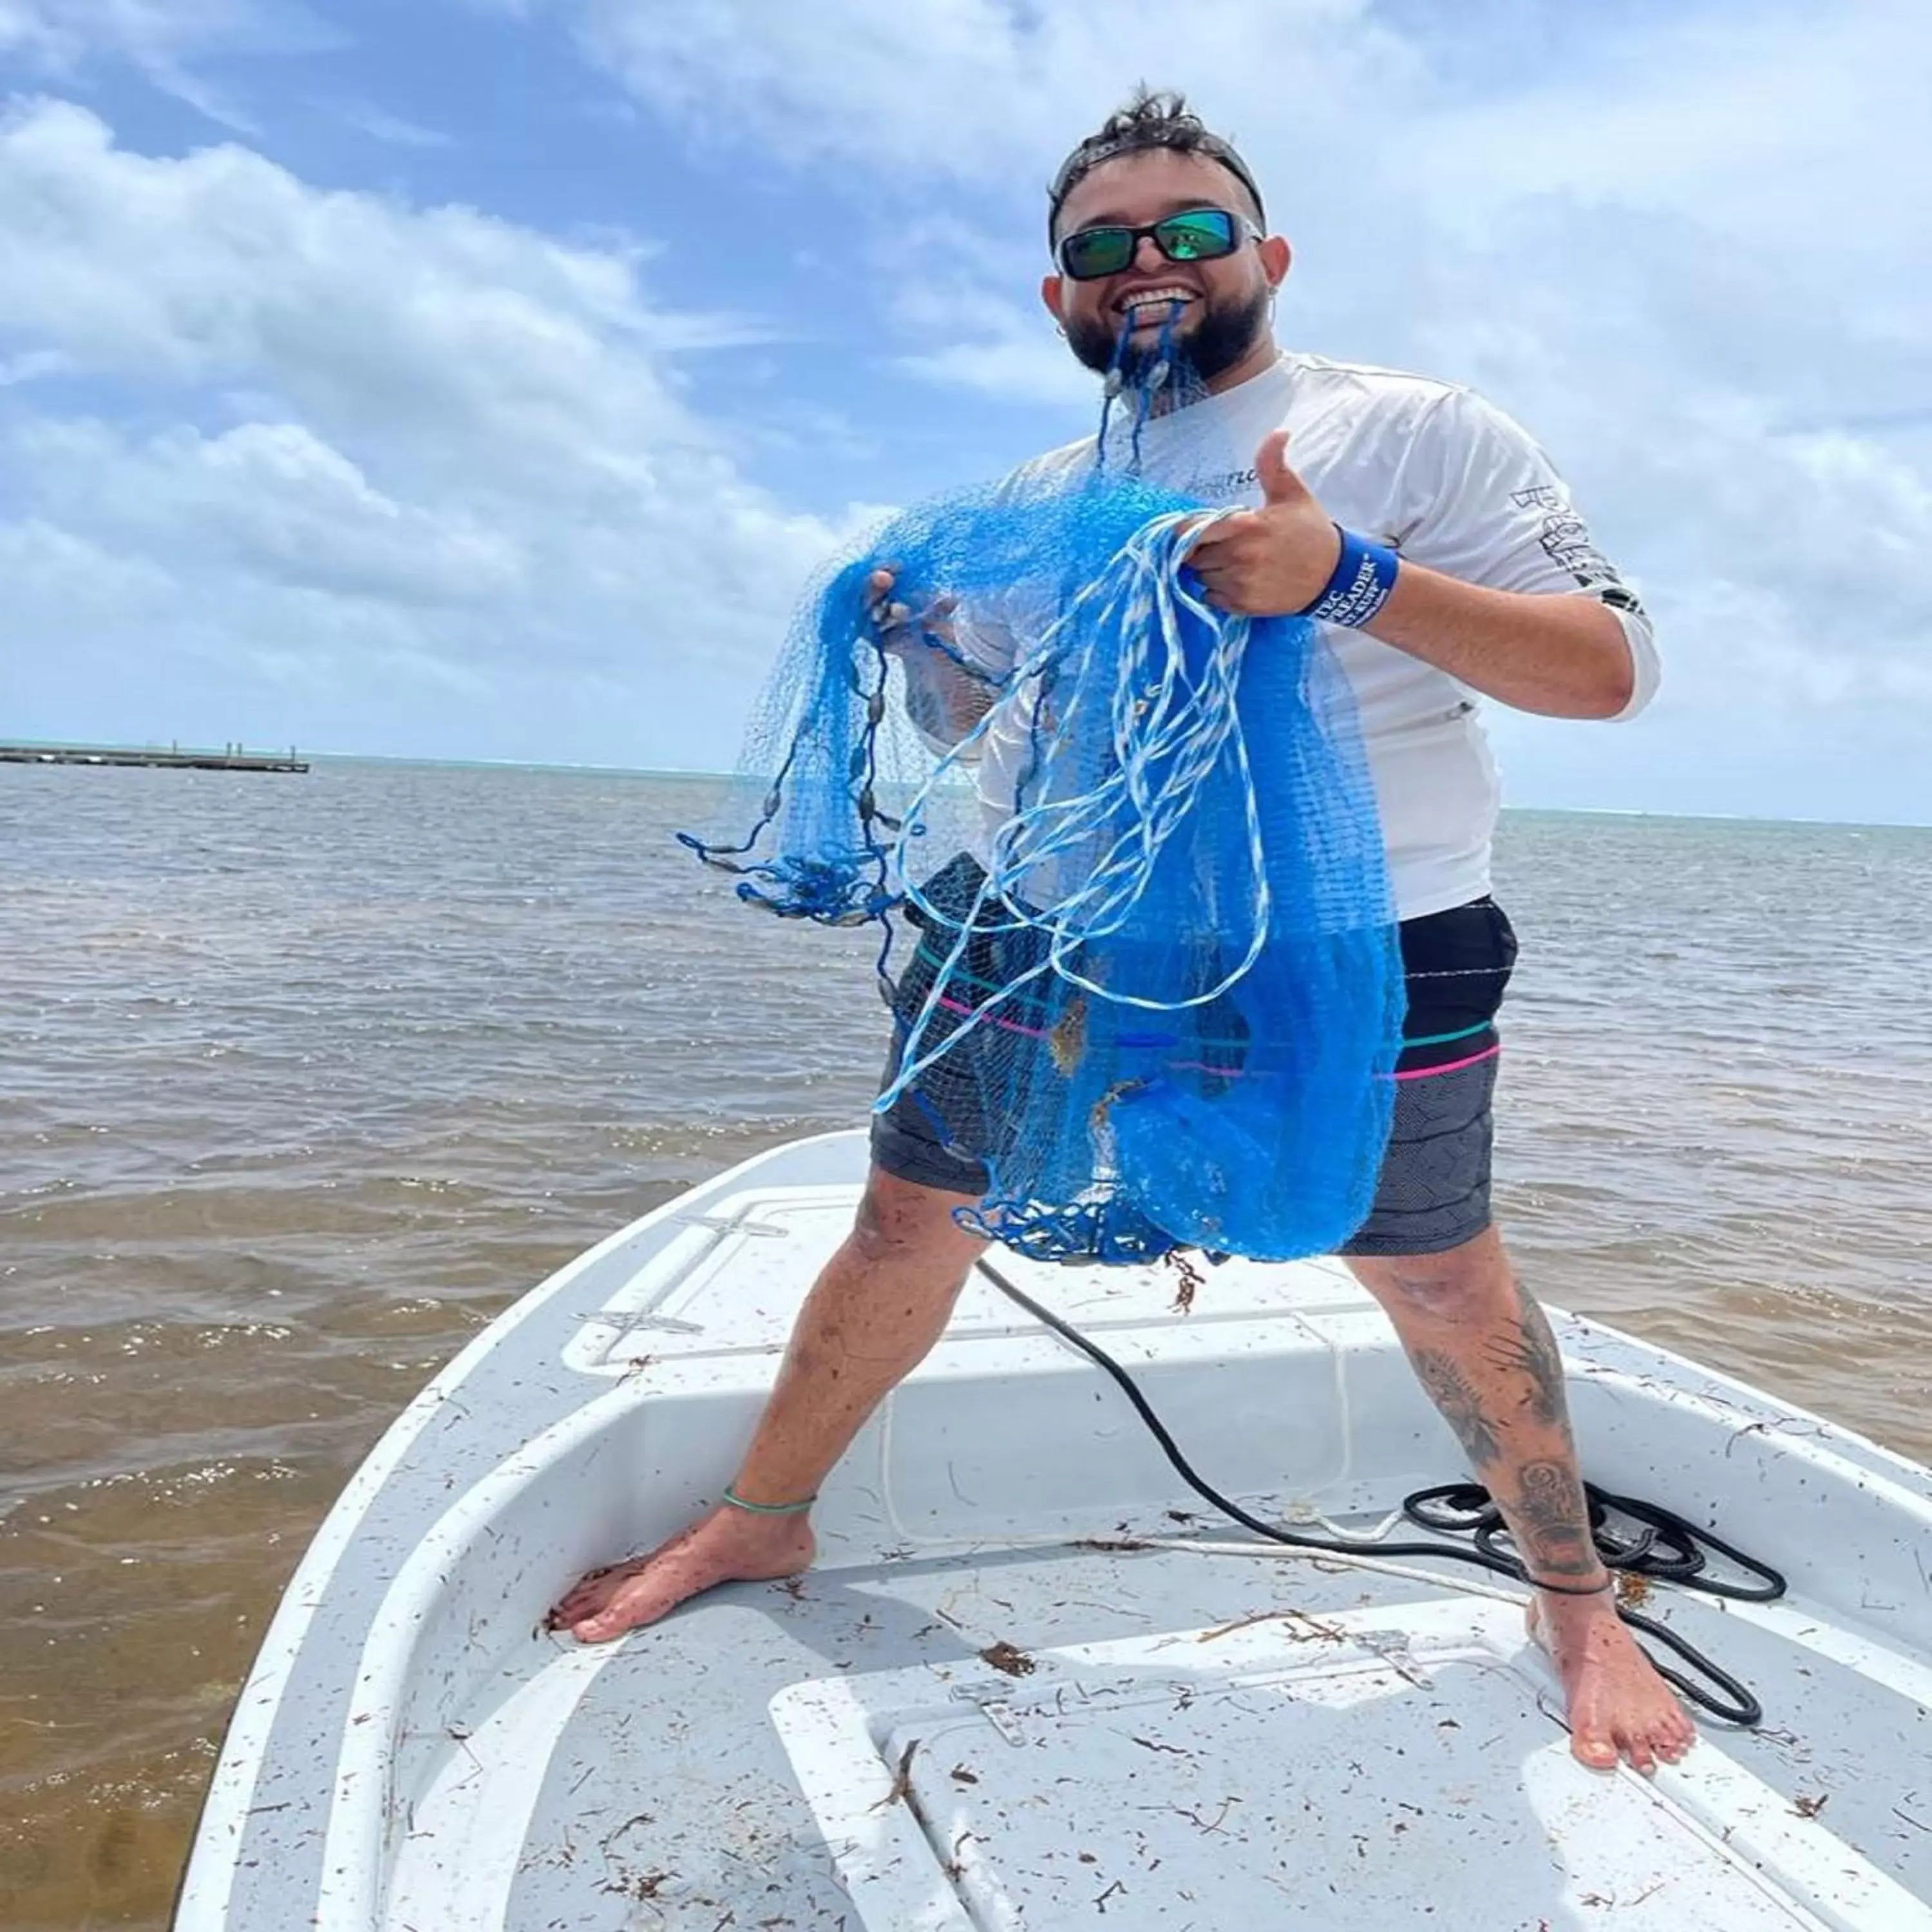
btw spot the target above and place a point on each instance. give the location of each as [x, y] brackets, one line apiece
[229, 758]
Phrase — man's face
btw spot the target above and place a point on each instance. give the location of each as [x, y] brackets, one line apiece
[1225, 302]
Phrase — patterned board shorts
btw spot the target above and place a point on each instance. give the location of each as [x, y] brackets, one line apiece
[1433, 1193]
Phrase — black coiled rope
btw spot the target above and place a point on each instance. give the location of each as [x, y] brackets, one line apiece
[1664, 1548]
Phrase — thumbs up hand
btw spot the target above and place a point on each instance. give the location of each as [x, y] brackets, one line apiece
[1278, 559]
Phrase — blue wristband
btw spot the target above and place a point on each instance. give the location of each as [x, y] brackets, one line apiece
[1364, 575]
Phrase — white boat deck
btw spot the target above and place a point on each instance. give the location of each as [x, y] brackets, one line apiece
[975, 1713]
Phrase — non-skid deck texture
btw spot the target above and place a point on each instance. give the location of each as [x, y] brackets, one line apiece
[1263, 1769]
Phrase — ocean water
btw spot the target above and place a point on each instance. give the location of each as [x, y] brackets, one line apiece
[305, 1079]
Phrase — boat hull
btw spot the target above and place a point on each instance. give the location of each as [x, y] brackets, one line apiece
[1029, 1679]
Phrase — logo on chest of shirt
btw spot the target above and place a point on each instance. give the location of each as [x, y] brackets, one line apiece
[1234, 486]
[1228, 487]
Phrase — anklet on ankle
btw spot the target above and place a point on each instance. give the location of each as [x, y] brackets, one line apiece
[737, 1501]
[1572, 1589]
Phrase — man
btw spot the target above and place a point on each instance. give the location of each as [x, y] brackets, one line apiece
[1440, 548]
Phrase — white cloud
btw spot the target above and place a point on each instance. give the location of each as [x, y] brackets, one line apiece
[32, 365]
[976, 90]
[379, 124]
[1015, 367]
[165, 41]
[388, 446]
[1687, 252]
[1011, 352]
[270, 500]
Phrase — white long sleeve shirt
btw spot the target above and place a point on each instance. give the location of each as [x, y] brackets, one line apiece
[1434, 471]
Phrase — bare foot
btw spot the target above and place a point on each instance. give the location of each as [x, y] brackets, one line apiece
[1619, 1707]
[728, 1545]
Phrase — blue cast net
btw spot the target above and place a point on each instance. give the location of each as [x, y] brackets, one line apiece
[1149, 974]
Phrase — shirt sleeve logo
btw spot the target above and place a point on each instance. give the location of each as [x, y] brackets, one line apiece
[1566, 541]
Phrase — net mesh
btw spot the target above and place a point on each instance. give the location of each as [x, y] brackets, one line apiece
[1151, 978]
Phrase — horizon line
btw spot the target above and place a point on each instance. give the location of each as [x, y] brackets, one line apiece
[685, 772]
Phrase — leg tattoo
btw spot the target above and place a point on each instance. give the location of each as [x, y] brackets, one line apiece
[1528, 1349]
[1552, 1520]
[1454, 1394]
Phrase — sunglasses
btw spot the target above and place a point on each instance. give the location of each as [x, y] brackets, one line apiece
[1199, 234]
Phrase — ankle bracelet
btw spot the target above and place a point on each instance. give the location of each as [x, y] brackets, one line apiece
[737, 1501]
[1610, 1583]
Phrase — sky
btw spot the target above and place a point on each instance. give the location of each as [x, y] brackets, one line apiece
[483, 378]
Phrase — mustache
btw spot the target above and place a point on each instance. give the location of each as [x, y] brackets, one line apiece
[1213, 337]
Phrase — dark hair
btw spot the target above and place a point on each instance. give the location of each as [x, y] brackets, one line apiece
[1150, 120]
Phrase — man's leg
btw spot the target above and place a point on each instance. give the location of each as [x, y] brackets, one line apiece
[882, 1302]
[1483, 1351]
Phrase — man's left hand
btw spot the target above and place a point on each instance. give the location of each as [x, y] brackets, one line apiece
[1275, 560]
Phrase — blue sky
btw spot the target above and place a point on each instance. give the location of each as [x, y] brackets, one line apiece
[482, 378]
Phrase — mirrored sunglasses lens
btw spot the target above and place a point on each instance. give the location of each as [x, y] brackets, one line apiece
[1199, 237]
[1096, 252]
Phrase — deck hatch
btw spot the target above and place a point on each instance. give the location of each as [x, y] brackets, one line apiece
[1402, 1770]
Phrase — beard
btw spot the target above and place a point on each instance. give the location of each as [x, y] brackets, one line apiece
[1225, 332]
